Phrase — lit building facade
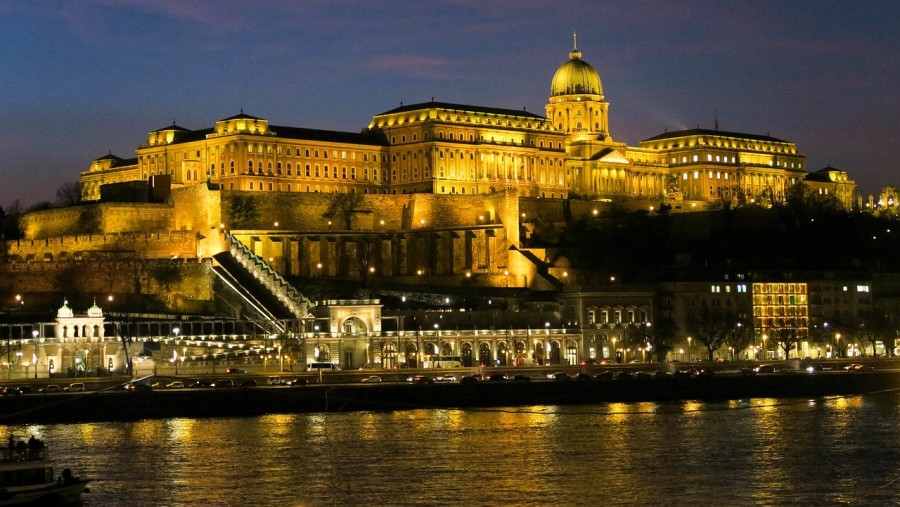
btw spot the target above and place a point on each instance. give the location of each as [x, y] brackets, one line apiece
[445, 148]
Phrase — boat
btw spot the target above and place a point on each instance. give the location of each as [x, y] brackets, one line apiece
[27, 478]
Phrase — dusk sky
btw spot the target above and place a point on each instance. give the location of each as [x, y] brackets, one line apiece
[83, 78]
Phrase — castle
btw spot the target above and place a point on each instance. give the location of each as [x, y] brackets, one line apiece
[433, 193]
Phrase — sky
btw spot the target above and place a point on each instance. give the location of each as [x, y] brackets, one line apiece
[83, 78]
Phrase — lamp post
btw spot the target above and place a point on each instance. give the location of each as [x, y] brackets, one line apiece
[690, 352]
[837, 336]
[175, 331]
[35, 334]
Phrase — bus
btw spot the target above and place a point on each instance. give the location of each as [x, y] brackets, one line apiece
[322, 367]
[443, 362]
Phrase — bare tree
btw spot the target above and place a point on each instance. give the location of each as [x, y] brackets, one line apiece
[69, 193]
[343, 206]
[710, 326]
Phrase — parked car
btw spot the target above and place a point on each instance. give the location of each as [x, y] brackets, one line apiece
[248, 383]
[371, 379]
[559, 376]
[584, 376]
[296, 382]
[52, 388]
[765, 368]
[175, 385]
[75, 387]
[449, 378]
[234, 371]
[470, 379]
[521, 378]
[857, 367]
[605, 375]
[421, 379]
[225, 382]
[498, 377]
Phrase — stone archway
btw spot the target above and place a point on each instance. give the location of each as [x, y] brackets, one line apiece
[466, 353]
[354, 326]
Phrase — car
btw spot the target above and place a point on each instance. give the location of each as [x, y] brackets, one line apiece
[201, 383]
[584, 376]
[175, 385]
[295, 382]
[605, 375]
[371, 379]
[625, 375]
[276, 381]
[470, 379]
[25, 389]
[234, 371]
[814, 368]
[52, 388]
[560, 376]
[75, 387]
[498, 377]
[421, 379]
[10, 391]
[644, 375]
[137, 387]
[521, 378]
[855, 367]
[225, 382]
[765, 368]
[662, 374]
[248, 383]
[449, 378]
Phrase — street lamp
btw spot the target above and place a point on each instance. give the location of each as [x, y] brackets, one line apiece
[35, 334]
[690, 354]
[838, 337]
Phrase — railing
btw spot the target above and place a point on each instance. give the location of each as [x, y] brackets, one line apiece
[296, 303]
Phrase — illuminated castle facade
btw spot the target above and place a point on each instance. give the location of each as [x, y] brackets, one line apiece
[444, 148]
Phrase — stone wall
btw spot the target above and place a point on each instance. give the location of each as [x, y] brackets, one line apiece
[145, 245]
[46, 284]
[98, 219]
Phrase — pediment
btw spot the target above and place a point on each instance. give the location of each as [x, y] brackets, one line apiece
[610, 156]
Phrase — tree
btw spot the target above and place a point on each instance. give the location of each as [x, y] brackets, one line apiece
[343, 206]
[878, 326]
[166, 275]
[244, 212]
[11, 226]
[69, 193]
[662, 337]
[89, 221]
[709, 326]
[739, 337]
[788, 339]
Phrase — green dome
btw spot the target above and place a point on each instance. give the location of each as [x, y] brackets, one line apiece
[575, 77]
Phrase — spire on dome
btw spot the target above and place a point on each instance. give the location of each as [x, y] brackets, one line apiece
[575, 53]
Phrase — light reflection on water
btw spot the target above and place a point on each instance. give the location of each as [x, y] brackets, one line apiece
[755, 452]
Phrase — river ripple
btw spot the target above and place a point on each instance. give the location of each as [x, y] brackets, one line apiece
[827, 451]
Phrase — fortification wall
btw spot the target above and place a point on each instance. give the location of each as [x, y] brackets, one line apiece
[197, 208]
[381, 212]
[101, 218]
[161, 245]
[175, 285]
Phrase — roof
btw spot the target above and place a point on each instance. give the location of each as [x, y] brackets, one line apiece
[707, 132]
[370, 138]
[464, 108]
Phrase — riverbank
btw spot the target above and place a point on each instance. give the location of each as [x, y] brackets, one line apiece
[116, 405]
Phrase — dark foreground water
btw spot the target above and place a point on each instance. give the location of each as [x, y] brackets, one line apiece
[828, 451]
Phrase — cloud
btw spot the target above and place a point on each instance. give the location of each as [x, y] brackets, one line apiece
[416, 66]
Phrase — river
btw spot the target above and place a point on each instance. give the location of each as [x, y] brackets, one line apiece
[826, 451]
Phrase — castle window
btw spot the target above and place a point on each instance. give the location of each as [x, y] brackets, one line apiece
[250, 166]
[231, 166]
[277, 167]
[251, 185]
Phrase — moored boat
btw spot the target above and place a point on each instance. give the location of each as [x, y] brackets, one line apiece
[27, 477]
